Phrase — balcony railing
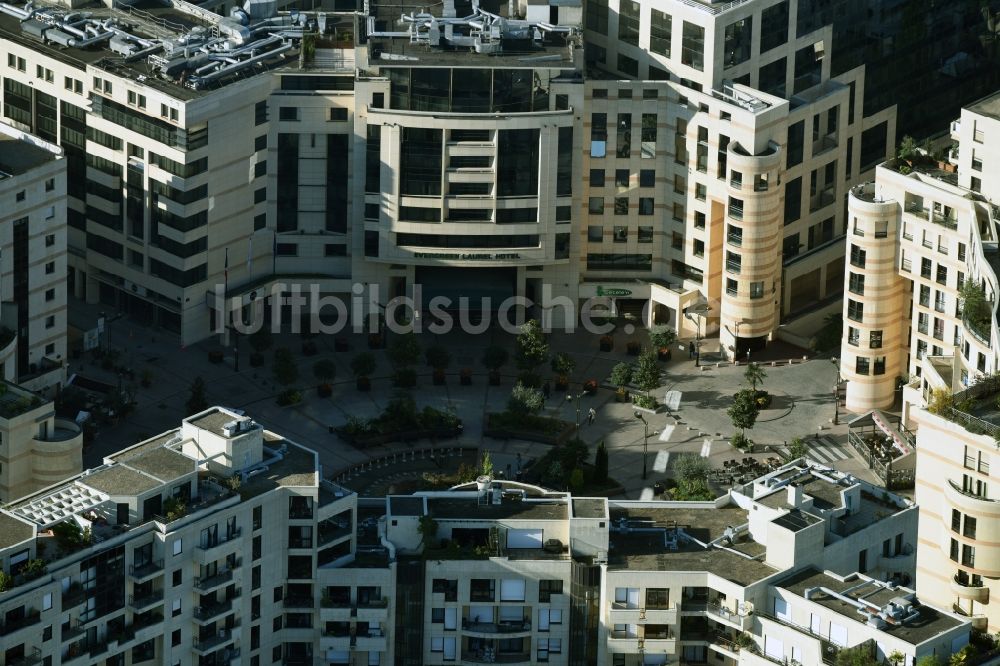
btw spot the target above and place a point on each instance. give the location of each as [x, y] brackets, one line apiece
[968, 493]
[144, 601]
[205, 613]
[235, 534]
[146, 569]
[298, 602]
[214, 641]
[209, 582]
[496, 628]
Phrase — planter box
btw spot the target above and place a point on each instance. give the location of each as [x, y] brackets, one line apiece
[529, 435]
[663, 354]
[659, 409]
[622, 397]
[215, 356]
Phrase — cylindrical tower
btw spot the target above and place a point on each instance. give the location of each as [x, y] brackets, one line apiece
[875, 302]
[752, 249]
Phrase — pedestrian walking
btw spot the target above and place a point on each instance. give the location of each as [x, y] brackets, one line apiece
[591, 415]
[691, 350]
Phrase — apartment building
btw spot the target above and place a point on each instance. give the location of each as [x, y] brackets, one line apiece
[219, 543]
[919, 234]
[199, 546]
[32, 261]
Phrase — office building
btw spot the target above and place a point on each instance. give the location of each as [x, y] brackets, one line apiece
[32, 261]
[483, 147]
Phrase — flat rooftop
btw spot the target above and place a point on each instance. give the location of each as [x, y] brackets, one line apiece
[588, 507]
[214, 421]
[296, 469]
[406, 505]
[162, 463]
[987, 106]
[120, 480]
[13, 531]
[18, 156]
[468, 509]
[644, 546]
[927, 625]
[145, 19]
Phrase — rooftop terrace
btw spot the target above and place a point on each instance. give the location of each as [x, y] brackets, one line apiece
[987, 106]
[469, 509]
[676, 539]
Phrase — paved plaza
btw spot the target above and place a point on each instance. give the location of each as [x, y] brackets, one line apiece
[803, 403]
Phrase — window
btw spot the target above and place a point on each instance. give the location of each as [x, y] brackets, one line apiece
[953, 554]
[645, 235]
[942, 274]
[733, 262]
[647, 178]
[956, 520]
[861, 365]
[288, 113]
[628, 22]
[700, 191]
[735, 208]
[621, 205]
[757, 289]
[660, 32]
[735, 235]
[693, 46]
[620, 234]
[47, 601]
[595, 234]
[857, 256]
[645, 205]
[50, 321]
[855, 310]
[699, 220]
[699, 248]
[178, 547]
[595, 205]
[597, 177]
[878, 367]
[856, 283]
[732, 287]
[875, 339]
[853, 336]
[175, 608]
[621, 179]
[338, 115]
[969, 527]
[968, 555]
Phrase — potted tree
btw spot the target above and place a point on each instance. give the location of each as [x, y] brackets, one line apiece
[621, 376]
[607, 343]
[494, 358]
[465, 376]
[403, 353]
[363, 365]
[563, 365]
[324, 371]
[531, 350]
[661, 337]
[439, 359]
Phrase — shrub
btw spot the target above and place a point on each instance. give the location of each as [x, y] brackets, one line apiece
[34, 568]
[531, 347]
[404, 378]
[174, 508]
[661, 337]
[644, 401]
[525, 400]
[289, 397]
[324, 370]
[647, 372]
[621, 375]
[563, 364]
[284, 368]
[740, 441]
[404, 350]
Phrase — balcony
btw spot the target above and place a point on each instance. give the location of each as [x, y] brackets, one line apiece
[210, 583]
[73, 596]
[729, 617]
[215, 550]
[493, 657]
[965, 589]
[30, 659]
[143, 572]
[298, 602]
[31, 618]
[203, 646]
[206, 614]
[966, 500]
[144, 602]
[506, 627]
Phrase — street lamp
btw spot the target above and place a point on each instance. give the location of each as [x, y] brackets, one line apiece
[836, 393]
[698, 311]
[645, 441]
[575, 399]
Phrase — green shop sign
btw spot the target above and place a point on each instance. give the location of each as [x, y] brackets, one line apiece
[613, 291]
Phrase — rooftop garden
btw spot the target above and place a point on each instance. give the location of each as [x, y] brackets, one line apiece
[14, 404]
[977, 408]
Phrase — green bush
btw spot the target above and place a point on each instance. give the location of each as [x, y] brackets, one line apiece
[644, 401]
[289, 397]
[525, 400]
[741, 441]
